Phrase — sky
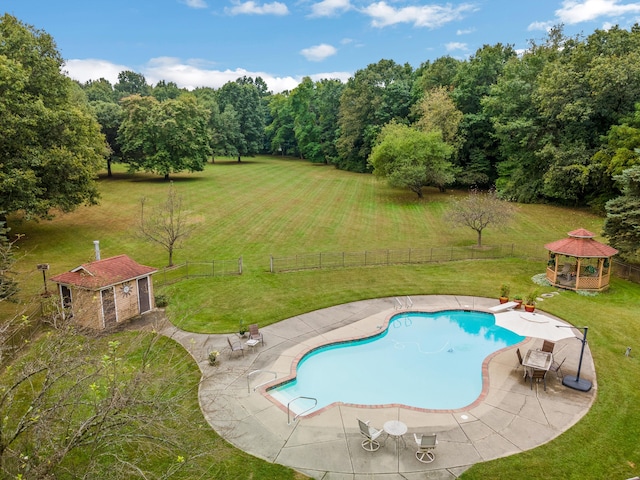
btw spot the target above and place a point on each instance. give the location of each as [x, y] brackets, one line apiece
[198, 43]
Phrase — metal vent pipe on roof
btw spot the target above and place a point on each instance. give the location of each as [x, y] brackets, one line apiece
[96, 246]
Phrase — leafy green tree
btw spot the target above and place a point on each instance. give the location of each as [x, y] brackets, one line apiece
[411, 159]
[622, 225]
[131, 83]
[99, 90]
[439, 73]
[479, 153]
[280, 131]
[8, 286]
[622, 148]
[164, 91]
[245, 98]
[164, 137]
[436, 111]
[109, 116]
[371, 98]
[51, 148]
[518, 125]
[480, 210]
[327, 100]
[305, 123]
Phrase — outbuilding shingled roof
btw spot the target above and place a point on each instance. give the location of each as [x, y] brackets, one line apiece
[103, 273]
[581, 244]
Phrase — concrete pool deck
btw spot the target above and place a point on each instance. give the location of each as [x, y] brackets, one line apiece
[509, 418]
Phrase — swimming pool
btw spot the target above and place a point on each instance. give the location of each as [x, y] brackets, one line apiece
[423, 360]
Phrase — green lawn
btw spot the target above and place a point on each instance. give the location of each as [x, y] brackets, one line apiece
[284, 207]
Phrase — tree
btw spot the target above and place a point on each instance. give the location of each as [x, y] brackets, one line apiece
[411, 159]
[244, 97]
[164, 137]
[51, 148]
[168, 225]
[109, 116]
[99, 90]
[371, 98]
[74, 406]
[479, 210]
[131, 83]
[436, 111]
[8, 286]
[622, 225]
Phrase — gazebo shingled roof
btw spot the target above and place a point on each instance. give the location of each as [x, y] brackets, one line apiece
[102, 273]
[581, 244]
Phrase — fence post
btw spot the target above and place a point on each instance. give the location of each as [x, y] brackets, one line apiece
[213, 268]
[271, 263]
[343, 259]
[240, 264]
[187, 268]
[320, 259]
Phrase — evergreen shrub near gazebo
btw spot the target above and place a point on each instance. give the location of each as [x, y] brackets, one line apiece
[579, 262]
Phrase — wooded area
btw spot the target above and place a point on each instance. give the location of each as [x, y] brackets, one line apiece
[558, 123]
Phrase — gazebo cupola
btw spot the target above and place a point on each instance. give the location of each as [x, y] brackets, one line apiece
[579, 262]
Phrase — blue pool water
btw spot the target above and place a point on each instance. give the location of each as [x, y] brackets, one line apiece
[424, 360]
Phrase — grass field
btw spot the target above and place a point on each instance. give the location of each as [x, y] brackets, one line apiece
[283, 207]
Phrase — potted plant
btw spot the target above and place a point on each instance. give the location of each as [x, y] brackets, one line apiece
[213, 357]
[518, 300]
[530, 301]
[242, 328]
[504, 293]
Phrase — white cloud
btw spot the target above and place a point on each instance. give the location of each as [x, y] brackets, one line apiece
[455, 46]
[195, 3]
[252, 8]
[466, 31]
[574, 11]
[190, 74]
[328, 8]
[545, 26]
[430, 16]
[317, 53]
[93, 69]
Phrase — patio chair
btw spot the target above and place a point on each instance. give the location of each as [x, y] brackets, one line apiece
[255, 334]
[235, 346]
[548, 346]
[538, 375]
[556, 367]
[519, 354]
[426, 446]
[370, 434]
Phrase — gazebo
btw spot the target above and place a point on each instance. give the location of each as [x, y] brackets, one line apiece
[579, 262]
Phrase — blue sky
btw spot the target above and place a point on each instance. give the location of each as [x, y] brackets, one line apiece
[209, 42]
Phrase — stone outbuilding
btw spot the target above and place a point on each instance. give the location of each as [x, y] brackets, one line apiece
[105, 293]
[579, 262]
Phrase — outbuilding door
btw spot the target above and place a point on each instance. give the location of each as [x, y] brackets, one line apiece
[143, 294]
[108, 307]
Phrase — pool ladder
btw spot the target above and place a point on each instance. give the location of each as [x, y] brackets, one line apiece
[408, 303]
[295, 417]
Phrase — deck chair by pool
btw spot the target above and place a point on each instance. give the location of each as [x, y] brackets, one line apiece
[370, 434]
[235, 346]
[519, 359]
[255, 334]
[548, 346]
[538, 375]
[426, 445]
[556, 367]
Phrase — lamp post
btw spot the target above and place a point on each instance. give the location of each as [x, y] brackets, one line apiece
[576, 382]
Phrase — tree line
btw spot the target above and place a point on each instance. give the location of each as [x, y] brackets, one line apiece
[558, 123]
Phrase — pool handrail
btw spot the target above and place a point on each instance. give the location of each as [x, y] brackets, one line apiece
[301, 413]
[275, 375]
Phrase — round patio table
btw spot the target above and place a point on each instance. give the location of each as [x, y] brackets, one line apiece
[396, 429]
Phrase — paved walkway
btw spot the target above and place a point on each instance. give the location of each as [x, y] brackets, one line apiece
[510, 418]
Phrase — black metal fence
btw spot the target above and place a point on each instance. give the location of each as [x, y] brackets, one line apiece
[214, 268]
[310, 261]
[626, 271]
